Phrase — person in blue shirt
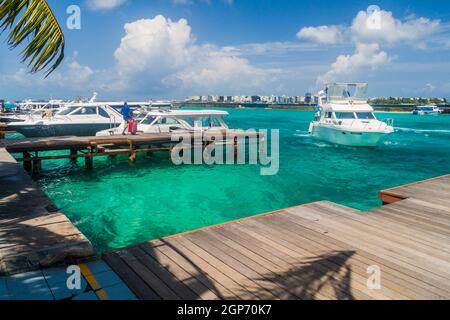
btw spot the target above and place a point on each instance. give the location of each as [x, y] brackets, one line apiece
[127, 115]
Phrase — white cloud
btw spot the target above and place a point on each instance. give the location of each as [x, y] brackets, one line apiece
[105, 4]
[79, 73]
[366, 57]
[154, 43]
[369, 33]
[392, 31]
[166, 51]
[321, 34]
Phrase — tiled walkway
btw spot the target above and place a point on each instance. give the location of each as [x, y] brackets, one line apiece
[98, 282]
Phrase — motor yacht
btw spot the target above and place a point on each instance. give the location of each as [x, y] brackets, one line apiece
[76, 119]
[427, 110]
[24, 112]
[165, 121]
[344, 117]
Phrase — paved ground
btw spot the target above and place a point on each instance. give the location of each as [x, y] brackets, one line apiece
[98, 282]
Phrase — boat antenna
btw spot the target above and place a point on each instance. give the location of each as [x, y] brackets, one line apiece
[94, 97]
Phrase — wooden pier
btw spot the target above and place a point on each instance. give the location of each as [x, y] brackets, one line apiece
[320, 250]
[33, 232]
[91, 147]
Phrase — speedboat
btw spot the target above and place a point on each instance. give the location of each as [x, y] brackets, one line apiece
[166, 121]
[344, 117]
[78, 119]
[427, 110]
[24, 112]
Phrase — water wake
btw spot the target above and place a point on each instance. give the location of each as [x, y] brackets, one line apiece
[422, 130]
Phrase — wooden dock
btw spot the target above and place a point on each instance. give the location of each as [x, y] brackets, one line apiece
[90, 147]
[316, 251]
[33, 232]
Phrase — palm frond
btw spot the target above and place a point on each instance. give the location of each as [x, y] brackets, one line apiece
[37, 22]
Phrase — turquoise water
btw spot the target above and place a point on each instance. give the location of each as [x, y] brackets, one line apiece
[119, 204]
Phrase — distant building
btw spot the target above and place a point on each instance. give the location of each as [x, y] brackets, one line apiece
[308, 98]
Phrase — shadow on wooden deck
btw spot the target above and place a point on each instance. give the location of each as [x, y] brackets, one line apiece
[310, 280]
[33, 233]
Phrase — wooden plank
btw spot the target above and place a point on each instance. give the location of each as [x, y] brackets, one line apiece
[249, 286]
[238, 262]
[330, 213]
[399, 229]
[148, 277]
[164, 274]
[294, 284]
[202, 275]
[339, 255]
[375, 249]
[355, 286]
[232, 284]
[203, 291]
[409, 254]
[127, 274]
[398, 270]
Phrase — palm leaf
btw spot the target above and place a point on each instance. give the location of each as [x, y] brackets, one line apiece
[35, 21]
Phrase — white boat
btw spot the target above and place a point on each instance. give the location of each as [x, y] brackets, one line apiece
[427, 110]
[32, 110]
[344, 117]
[165, 121]
[75, 119]
[160, 105]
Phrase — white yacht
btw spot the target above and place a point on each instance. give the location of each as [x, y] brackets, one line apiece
[427, 110]
[29, 111]
[160, 105]
[76, 119]
[344, 117]
[165, 121]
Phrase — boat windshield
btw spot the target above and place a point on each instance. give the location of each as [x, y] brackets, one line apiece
[347, 91]
[365, 115]
[67, 111]
[345, 115]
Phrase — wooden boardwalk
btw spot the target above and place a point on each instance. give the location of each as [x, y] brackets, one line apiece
[33, 233]
[90, 147]
[316, 251]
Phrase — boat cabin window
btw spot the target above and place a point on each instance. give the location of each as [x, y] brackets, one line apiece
[215, 122]
[169, 121]
[345, 115]
[86, 111]
[148, 120]
[67, 111]
[328, 115]
[365, 115]
[102, 112]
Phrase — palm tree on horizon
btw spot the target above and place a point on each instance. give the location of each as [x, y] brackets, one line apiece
[37, 24]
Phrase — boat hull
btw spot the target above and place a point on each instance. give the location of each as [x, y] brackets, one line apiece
[57, 130]
[346, 137]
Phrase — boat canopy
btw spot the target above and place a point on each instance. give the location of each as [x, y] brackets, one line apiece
[187, 113]
[332, 107]
[346, 91]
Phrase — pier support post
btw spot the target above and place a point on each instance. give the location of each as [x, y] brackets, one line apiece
[73, 154]
[27, 165]
[36, 166]
[89, 162]
[132, 157]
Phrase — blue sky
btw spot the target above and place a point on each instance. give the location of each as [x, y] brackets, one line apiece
[135, 49]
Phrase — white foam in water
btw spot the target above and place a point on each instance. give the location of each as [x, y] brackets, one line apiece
[422, 130]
